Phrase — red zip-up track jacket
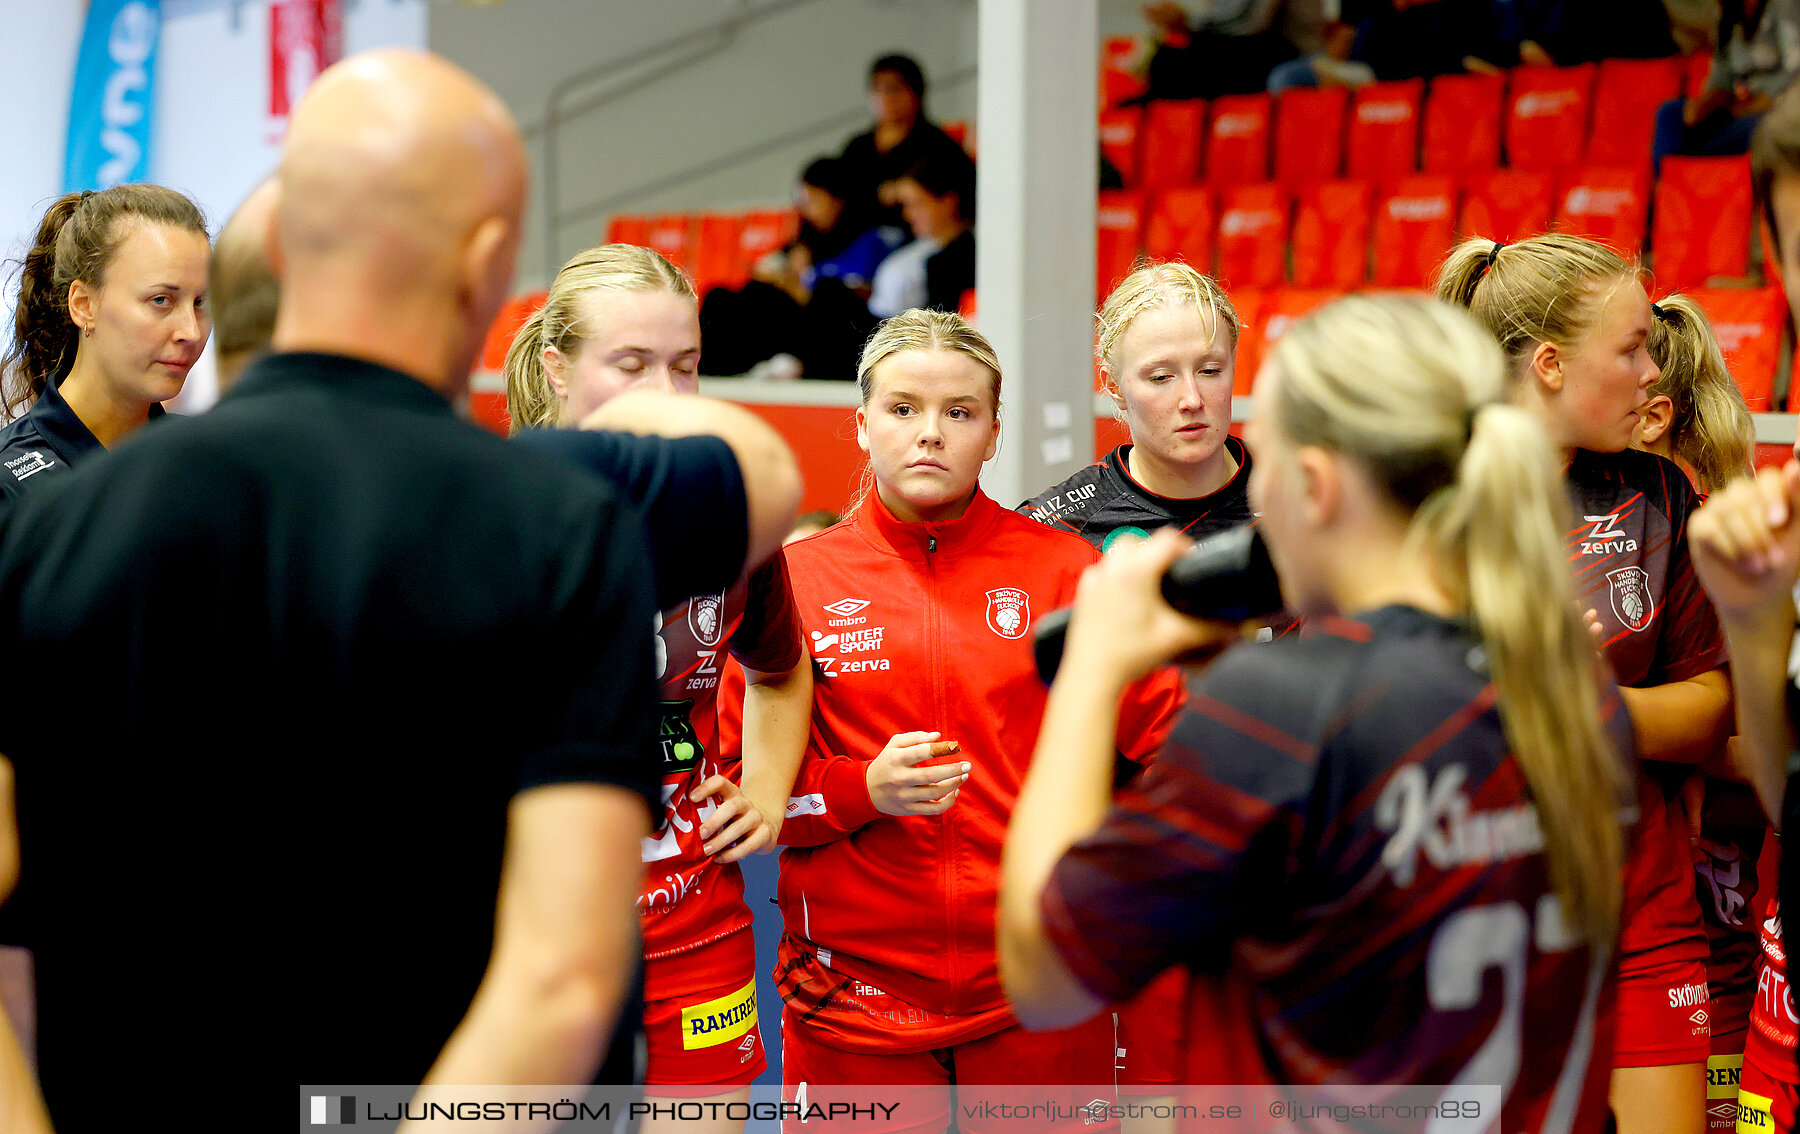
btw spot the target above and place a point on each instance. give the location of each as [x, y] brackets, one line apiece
[926, 627]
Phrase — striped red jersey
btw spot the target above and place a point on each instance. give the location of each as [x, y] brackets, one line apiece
[1339, 819]
[1629, 552]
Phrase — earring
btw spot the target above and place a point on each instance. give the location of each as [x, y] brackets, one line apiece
[87, 330]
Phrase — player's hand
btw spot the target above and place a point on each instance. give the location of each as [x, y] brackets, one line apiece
[901, 782]
[736, 828]
[1121, 623]
[1745, 541]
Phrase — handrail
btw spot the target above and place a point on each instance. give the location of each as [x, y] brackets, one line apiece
[835, 122]
[704, 43]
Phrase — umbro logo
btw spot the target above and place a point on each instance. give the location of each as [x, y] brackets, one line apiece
[1698, 1017]
[844, 608]
[1723, 1110]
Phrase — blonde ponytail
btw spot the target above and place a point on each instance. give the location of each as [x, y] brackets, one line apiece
[1548, 289]
[1711, 430]
[530, 402]
[1504, 521]
[1412, 390]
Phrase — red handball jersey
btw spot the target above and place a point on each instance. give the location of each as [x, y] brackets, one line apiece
[923, 627]
[1774, 1025]
[1630, 557]
[1340, 815]
[687, 899]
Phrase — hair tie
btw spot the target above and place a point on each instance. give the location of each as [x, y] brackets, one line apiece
[1469, 416]
[85, 194]
[1493, 254]
[1662, 315]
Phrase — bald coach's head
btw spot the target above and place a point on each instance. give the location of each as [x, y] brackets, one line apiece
[402, 187]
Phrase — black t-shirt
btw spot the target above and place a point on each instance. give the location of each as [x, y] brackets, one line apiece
[1103, 501]
[866, 169]
[689, 490]
[280, 670]
[46, 441]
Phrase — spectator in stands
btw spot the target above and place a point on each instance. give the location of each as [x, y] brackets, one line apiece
[808, 301]
[1331, 67]
[832, 245]
[1562, 33]
[938, 195]
[1230, 46]
[1413, 39]
[875, 160]
[1756, 55]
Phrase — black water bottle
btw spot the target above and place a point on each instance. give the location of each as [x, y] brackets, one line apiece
[1225, 577]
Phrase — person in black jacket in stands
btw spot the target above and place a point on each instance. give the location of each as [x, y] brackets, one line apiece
[901, 137]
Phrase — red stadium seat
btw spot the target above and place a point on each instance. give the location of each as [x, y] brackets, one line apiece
[766, 231]
[1702, 226]
[1627, 94]
[624, 229]
[1547, 116]
[1119, 79]
[1414, 226]
[669, 235]
[1331, 234]
[1237, 148]
[1253, 236]
[1180, 227]
[1118, 217]
[506, 324]
[718, 252]
[1266, 316]
[1119, 140]
[1462, 123]
[1248, 302]
[1749, 322]
[1507, 205]
[1170, 154]
[1611, 206]
[1384, 130]
[1309, 134]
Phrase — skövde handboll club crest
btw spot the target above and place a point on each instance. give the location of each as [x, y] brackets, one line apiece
[1631, 597]
[1009, 612]
[706, 618]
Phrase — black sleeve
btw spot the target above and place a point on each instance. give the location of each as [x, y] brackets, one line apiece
[690, 492]
[596, 684]
[950, 273]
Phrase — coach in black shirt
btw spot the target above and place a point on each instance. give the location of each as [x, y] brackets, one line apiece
[304, 690]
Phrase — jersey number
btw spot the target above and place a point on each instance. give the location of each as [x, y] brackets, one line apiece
[1500, 936]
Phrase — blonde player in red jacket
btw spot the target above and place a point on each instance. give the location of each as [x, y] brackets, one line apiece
[918, 610]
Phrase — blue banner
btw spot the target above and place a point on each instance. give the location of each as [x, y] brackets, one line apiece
[111, 107]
